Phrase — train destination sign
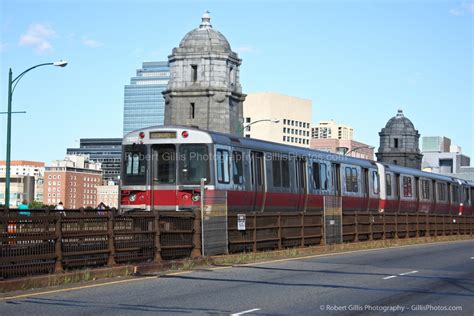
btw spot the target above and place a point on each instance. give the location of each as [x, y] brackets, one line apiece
[161, 135]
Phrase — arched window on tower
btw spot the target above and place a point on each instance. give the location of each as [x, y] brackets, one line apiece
[194, 73]
[231, 76]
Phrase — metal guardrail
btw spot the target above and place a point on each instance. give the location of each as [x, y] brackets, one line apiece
[267, 231]
[49, 242]
[366, 226]
[46, 242]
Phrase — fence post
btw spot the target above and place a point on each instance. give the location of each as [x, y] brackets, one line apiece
[417, 226]
[356, 224]
[111, 244]
[279, 230]
[197, 235]
[396, 226]
[460, 225]
[156, 224]
[371, 227]
[58, 266]
[254, 232]
[407, 226]
[323, 232]
[302, 229]
[427, 225]
[471, 228]
[384, 229]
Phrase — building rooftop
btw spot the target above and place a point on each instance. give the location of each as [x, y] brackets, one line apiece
[399, 122]
[205, 38]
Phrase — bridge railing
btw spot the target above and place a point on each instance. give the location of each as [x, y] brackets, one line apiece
[279, 230]
[266, 231]
[46, 242]
[366, 226]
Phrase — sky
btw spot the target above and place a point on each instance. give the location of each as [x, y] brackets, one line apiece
[358, 61]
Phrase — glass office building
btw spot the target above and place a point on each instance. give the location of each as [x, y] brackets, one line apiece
[107, 151]
[144, 104]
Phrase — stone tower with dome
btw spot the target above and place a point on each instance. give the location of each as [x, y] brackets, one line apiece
[204, 89]
[399, 143]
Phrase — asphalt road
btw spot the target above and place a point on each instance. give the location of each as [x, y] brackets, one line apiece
[435, 279]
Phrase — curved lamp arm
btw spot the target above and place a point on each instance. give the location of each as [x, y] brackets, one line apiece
[258, 121]
[15, 81]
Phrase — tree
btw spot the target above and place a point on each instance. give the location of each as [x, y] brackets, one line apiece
[36, 204]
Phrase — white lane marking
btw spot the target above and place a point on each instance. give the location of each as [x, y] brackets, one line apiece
[390, 277]
[411, 272]
[246, 312]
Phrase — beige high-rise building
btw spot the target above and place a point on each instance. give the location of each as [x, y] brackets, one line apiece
[26, 181]
[108, 194]
[331, 130]
[293, 115]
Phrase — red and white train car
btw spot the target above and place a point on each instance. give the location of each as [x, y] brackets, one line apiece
[163, 166]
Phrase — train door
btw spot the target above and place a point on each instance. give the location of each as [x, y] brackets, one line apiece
[450, 200]
[336, 178]
[365, 189]
[418, 194]
[398, 192]
[163, 179]
[257, 180]
[301, 184]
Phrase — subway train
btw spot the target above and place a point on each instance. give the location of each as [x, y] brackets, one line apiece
[162, 168]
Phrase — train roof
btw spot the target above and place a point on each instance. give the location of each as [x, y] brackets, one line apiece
[258, 144]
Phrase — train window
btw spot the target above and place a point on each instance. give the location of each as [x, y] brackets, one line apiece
[466, 196]
[407, 187]
[285, 172]
[455, 193]
[375, 181]
[238, 170]
[165, 171]
[276, 172]
[348, 180]
[388, 184]
[222, 161]
[442, 191]
[425, 189]
[355, 180]
[316, 176]
[324, 176]
[135, 164]
[352, 181]
[193, 164]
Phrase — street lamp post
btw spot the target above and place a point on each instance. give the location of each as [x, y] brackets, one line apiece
[258, 121]
[357, 148]
[12, 83]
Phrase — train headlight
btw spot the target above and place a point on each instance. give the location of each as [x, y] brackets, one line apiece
[196, 197]
[132, 197]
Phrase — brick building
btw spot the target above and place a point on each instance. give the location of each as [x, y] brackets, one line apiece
[73, 182]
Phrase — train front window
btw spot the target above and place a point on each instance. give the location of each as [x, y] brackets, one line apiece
[193, 164]
[164, 171]
[135, 164]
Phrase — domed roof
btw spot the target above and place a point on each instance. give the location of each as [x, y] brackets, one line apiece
[205, 38]
[399, 122]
